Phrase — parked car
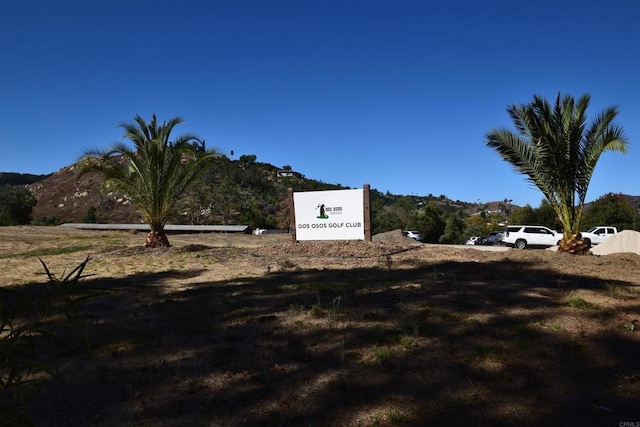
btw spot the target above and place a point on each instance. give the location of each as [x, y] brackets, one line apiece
[413, 234]
[599, 233]
[523, 236]
[493, 238]
[472, 240]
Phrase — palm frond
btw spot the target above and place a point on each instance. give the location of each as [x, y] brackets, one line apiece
[556, 149]
[155, 173]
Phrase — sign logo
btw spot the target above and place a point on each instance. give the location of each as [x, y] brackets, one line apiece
[323, 214]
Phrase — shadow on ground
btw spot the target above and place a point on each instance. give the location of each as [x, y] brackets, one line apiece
[445, 343]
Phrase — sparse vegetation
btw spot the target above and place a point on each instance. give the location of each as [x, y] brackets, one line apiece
[203, 332]
[580, 303]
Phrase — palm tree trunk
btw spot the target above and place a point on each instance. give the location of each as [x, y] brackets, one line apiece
[574, 244]
[157, 239]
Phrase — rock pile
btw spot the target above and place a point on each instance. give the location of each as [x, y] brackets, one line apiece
[624, 241]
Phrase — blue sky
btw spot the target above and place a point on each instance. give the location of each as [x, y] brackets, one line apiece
[397, 94]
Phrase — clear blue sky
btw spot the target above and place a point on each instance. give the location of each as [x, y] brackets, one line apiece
[397, 94]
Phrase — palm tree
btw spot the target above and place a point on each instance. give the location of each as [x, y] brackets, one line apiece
[154, 173]
[558, 150]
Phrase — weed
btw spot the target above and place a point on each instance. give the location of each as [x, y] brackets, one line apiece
[440, 313]
[294, 309]
[395, 417]
[631, 325]
[555, 325]
[330, 290]
[334, 311]
[580, 303]
[407, 341]
[25, 335]
[615, 291]
[384, 355]
[317, 311]
[66, 279]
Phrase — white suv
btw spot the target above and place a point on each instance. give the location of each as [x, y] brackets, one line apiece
[521, 236]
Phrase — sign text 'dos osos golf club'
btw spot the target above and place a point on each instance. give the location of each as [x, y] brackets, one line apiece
[329, 215]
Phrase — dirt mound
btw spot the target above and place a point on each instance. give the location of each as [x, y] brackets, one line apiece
[624, 241]
[394, 236]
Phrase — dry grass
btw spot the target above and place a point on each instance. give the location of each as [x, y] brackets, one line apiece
[227, 330]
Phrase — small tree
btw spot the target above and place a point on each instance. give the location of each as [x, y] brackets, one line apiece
[558, 150]
[430, 223]
[154, 173]
[610, 209]
[16, 205]
[90, 216]
[454, 229]
[524, 215]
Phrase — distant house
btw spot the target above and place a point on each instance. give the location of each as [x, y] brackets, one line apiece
[284, 173]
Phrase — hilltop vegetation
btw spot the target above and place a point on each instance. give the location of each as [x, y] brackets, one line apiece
[14, 178]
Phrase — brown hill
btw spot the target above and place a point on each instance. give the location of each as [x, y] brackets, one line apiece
[61, 197]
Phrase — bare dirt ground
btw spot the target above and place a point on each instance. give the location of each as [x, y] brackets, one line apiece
[243, 330]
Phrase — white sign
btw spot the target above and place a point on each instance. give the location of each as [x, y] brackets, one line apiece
[329, 215]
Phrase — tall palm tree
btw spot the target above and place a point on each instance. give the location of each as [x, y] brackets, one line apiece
[558, 150]
[154, 173]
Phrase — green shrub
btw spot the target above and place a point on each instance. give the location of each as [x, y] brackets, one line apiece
[48, 221]
[90, 216]
[580, 303]
[16, 205]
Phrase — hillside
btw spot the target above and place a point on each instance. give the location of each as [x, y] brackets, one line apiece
[234, 190]
[61, 197]
[221, 196]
